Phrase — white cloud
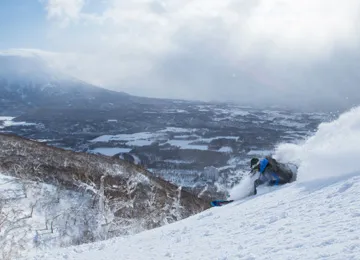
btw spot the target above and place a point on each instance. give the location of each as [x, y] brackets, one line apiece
[64, 10]
[306, 26]
[312, 27]
[212, 49]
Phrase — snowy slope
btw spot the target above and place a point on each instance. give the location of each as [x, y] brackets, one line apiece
[317, 217]
[290, 223]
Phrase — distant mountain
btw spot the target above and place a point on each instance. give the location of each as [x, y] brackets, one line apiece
[28, 82]
[126, 198]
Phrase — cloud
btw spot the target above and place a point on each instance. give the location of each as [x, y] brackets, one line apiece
[64, 11]
[270, 51]
[304, 27]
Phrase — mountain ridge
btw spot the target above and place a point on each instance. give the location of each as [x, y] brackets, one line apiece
[28, 82]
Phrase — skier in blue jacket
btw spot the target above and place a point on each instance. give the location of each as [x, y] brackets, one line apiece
[272, 173]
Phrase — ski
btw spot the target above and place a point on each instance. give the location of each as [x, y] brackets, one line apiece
[219, 203]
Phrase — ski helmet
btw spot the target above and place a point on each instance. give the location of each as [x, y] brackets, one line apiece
[254, 162]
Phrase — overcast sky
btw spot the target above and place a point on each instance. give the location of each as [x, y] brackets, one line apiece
[285, 52]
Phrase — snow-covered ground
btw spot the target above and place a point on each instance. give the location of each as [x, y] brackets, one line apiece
[260, 152]
[226, 149]
[110, 151]
[6, 121]
[316, 217]
[186, 144]
[184, 141]
[127, 137]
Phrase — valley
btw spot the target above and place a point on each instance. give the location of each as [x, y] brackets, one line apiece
[190, 144]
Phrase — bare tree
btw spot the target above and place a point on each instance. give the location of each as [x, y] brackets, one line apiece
[13, 227]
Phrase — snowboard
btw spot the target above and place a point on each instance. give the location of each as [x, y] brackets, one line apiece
[219, 203]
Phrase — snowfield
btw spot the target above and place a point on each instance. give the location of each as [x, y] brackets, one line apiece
[110, 151]
[7, 121]
[316, 217]
[184, 141]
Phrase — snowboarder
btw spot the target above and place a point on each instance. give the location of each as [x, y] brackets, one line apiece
[272, 173]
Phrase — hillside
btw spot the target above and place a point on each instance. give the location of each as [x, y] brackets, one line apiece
[316, 217]
[101, 196]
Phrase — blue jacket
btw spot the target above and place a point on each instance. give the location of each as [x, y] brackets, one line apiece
[267, 174]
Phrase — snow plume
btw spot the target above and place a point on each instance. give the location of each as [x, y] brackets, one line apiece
[332, 152]
[244, 188]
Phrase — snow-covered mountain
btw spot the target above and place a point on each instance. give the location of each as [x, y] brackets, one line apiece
[28, 81]
[316, 217]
